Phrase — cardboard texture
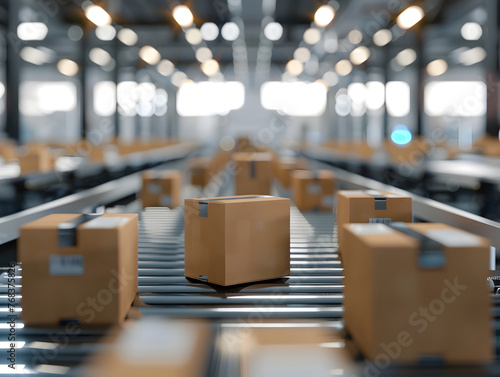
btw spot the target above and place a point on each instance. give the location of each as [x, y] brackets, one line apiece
[154, 348]
[285, 165]
[313, 190]
[201, 171]
[434, 311]
[237, 239]
[161, 188]
[36, 161]
[253, 173]
[367, 206]
[8, 150]
[64, 271]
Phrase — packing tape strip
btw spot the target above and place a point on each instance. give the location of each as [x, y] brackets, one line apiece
[203, 204]
[66, 231]
[252, 168]
[431, 255]
[380, 200]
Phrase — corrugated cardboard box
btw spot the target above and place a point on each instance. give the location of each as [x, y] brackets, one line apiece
[161, 188]
[8, 150]
[370, 206]
[313, 190]
[35, 161]
[78, 267]
[155, 347]
[237, 239]
[253, 173]
[201, 171]
[418, 293]
[285, 165]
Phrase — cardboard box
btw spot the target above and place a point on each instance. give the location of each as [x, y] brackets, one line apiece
[244, 144]
[293, 350]
[78, 267]
[237, 239]
[370, 206]
[8, 150]
[285, 166]
[36, 161]
[253, 173]
[154, 347]
[418, 300]
[161, 188]
[201, 171]
[313, 190]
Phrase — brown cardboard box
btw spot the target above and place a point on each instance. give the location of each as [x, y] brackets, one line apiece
[244, 144]
[285, 166]
[294, 350]
[77, 270]
[412, 302]
[201, 171]
[154, 347]
[313, 190]
[253, 173]
[412, 153]
[370, 206]
[8, 150]
[36, 161]
[161, 188]
[237, 239]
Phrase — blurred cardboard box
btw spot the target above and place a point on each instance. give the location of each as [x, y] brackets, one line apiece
[313, 190]
[201, 169]
[370, 206]
[253, 173]
[293, 350]
[155, 347]
[244, 144]
[417, 293]
[8, 150]
[35, 160]
[237, 239]
[285, 165]
[161, 188]
[78, 268]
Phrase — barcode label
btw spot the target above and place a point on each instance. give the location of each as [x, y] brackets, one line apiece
[380, 220]
[66, 265]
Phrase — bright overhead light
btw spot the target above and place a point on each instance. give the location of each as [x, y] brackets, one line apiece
[183, 15]
[34, 55]
[324, 15]
[359, 55]
[99, 56]
[178, 78]
[382, 37]
[410, 16]
[472, 56]
[166, 67]
[97, 15]
[312, 36]
[209, 31]
[150, 55]
[302, 54]
[355, 36]
[343, 67]
[273, 31]
[406, 57]
[437, 67]
[210, 67]
[375, 95]
[471, 31]
[105, 33]
[330, 78]
[203, 54]
[128, 37]
[32, 31]
[67, 67]
[193, 36]
[230, 31]
[294, 67]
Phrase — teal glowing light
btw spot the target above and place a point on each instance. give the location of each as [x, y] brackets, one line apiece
[401, 135]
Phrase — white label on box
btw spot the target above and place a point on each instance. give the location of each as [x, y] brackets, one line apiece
[314, 188]
[154, 188]
[165, 200]
[327, 201]
[453, 238]
[105, 222]
[379, 220]
[66, 265]
[369, 229]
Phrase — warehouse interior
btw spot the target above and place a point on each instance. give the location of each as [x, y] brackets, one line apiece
[249, 188]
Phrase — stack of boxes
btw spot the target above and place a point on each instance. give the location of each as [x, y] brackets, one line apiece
[161, 188]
